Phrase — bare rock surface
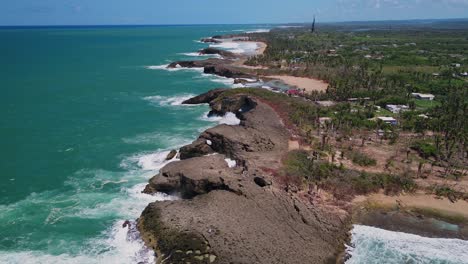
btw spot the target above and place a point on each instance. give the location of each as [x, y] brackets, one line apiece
[214, 51]
[205, 98]
[239, 214]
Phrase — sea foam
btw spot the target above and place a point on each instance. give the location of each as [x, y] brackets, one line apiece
[165, 67]
[197, 54]
[88, 199]
[374, 245]
[168, 100]
[237, 47]
[228, 119]
[260, 30]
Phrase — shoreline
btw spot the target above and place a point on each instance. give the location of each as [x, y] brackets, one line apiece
[217, 144]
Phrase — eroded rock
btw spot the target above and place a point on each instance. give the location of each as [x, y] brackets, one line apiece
[205, 98]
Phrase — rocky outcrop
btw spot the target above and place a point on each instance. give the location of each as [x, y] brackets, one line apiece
[221, 67]
[205, 98]
[226, 70]
[222, 53]
[197, 63]
[171, 154]
[210, 40]
[194, 177]
[198, 148]
[237, 215]
[234, 104]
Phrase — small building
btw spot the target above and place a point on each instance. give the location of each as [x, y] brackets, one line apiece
[421, 96]
[396, 108]
[464, 74]
[388, 120]
[380, 132]
[423, 116]
[295, 92]
[456, 65]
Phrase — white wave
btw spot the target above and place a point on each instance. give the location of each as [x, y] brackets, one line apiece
[116, 245]
[219, 79]
[237, 47]
[169, 100]
[260, 30]
[86, 200]
[197, 54]
[228, 119]
[231, 163]
[374, 245]
[147, 161]
[178, 68]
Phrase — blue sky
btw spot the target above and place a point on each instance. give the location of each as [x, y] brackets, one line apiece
[107, 12]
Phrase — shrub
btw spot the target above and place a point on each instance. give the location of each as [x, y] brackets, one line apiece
[424, 149]
[448, 192]
[391, 184]
[298, 163]
[361, 159]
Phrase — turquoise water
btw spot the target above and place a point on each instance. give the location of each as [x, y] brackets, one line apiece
[84, 124]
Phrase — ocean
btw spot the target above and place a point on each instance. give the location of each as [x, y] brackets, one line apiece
[88, 115]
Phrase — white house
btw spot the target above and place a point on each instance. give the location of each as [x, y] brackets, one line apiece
[396, 108]
[388, 120]
[421, 96]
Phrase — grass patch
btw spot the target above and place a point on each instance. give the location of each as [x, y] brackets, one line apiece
[425, 104]
[424, 149]
[448, 192]
[361, 159]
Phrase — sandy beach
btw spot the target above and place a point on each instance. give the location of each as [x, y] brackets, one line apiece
[261, 48]
[308, 84]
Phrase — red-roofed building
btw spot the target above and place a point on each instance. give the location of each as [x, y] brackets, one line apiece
[294, 92]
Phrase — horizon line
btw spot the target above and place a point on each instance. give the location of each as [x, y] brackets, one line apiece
[223, 24]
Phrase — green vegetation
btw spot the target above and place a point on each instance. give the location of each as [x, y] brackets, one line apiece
[306, 169]
[448, 192]
[376, 64]
[425, 149]
[361, 159]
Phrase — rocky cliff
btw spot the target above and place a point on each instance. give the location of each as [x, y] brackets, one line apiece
[237, 214]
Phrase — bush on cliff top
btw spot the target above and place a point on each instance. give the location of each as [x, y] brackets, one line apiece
[343, 183]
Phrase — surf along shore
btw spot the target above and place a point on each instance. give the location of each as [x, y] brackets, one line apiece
[236, 205]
